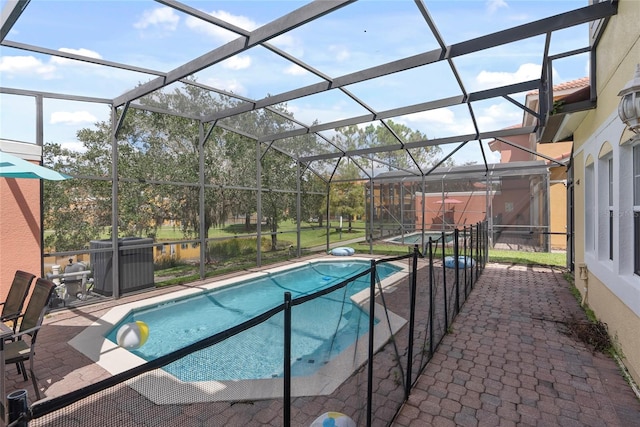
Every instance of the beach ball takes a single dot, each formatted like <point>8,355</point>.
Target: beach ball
<point>333,419</point>
<point>132,335</point>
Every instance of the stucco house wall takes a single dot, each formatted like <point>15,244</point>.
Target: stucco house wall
<point>609,286</point>
<point>560,151</point>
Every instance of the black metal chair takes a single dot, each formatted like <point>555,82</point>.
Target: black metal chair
<point>12,306</point>
<point>20,350</point>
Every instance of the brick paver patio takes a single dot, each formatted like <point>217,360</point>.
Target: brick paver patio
<point>509,360</point>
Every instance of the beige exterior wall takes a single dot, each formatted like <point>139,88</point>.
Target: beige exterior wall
<point>557,192</point>
<point>610,287</point>
<point>558,208</point>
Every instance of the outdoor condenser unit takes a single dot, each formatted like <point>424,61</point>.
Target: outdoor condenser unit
<point>135,268</point>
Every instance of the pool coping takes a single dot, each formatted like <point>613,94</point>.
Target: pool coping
<point>163,388</point>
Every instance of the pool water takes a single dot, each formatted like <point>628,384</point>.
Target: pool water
<point>322,328</point>
<point>411,239</point>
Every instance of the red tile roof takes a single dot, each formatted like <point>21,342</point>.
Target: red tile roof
<point>572,84</point>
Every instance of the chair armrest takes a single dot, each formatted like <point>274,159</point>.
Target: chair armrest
<point>7,317</point>
<point>26,332</point>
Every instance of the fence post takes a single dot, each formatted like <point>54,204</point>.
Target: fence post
<point>486,238</point>
<point>470,256</point>
<point>466,283</point>
<point>431,310</point>
<point>18,406</point>
<point>444,281</point>
<point>287,360</point>
<point>412,320</point>
<point>372,315</point>
<point>456,236</point>
<point>477,248</point>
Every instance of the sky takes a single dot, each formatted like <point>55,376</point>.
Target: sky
<point>364,34</point>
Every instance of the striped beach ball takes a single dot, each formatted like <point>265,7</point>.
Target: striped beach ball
<point>333,419</point>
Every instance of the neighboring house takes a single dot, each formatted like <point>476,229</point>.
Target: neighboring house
<point>574,92</point>
<point>606,183</point>
<point>558,220</point>
<point>507,195</point>
<point>20,221</point>
<point>551,195</point>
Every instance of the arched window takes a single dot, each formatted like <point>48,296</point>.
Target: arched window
<point>606,202</point>
<point>590,205</point>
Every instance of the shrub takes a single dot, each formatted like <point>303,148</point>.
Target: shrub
<point>165,261</point>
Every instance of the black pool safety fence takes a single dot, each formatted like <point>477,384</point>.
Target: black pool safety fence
<point>360,363</point>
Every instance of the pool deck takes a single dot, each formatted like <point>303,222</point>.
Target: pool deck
<point>507,361</point>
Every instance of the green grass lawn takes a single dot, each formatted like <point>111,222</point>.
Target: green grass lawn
<point>556,259</point>
<point>511,257</point>
<point>312,235</point>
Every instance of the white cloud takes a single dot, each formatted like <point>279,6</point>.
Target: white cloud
<point>72,118</point>
<point>21,65</point>
<point>237,62</point>
<point>500,78</point>
<point>494,5</point>
<point>81,51</point>
<point>341,53</point>
<point>439,116</point>
<point>218,33</point>
<point>163,17</point>
<point>295,70</point>
<point>498,116</point>
<point>230,85</point>
<point>291,44</point>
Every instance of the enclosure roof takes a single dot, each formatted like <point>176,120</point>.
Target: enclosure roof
<point>455,71</point>
<point>478,172</point>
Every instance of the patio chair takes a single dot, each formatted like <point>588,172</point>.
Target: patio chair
<point>12,306</point>
<point>19,350</point>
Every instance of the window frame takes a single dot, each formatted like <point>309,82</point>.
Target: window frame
<point>590,207</point>
<point>610,205</point>
<point>636,207</point>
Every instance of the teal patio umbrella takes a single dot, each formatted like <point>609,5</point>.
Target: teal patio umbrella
<point>15,167</point>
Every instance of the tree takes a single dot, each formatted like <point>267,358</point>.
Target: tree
<point>158,171</point>
<point>76,210</point>
<point>313,197</point>
<point>347,197</point>
<point>353,137</point>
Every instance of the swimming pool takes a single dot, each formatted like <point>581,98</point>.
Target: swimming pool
<point>412,239</point>
<point>348,351</point>
<point>323,326</point>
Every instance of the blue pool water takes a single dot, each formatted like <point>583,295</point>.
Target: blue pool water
<point>322,328</point>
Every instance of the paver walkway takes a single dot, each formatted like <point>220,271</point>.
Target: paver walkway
<point>510,360</point>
